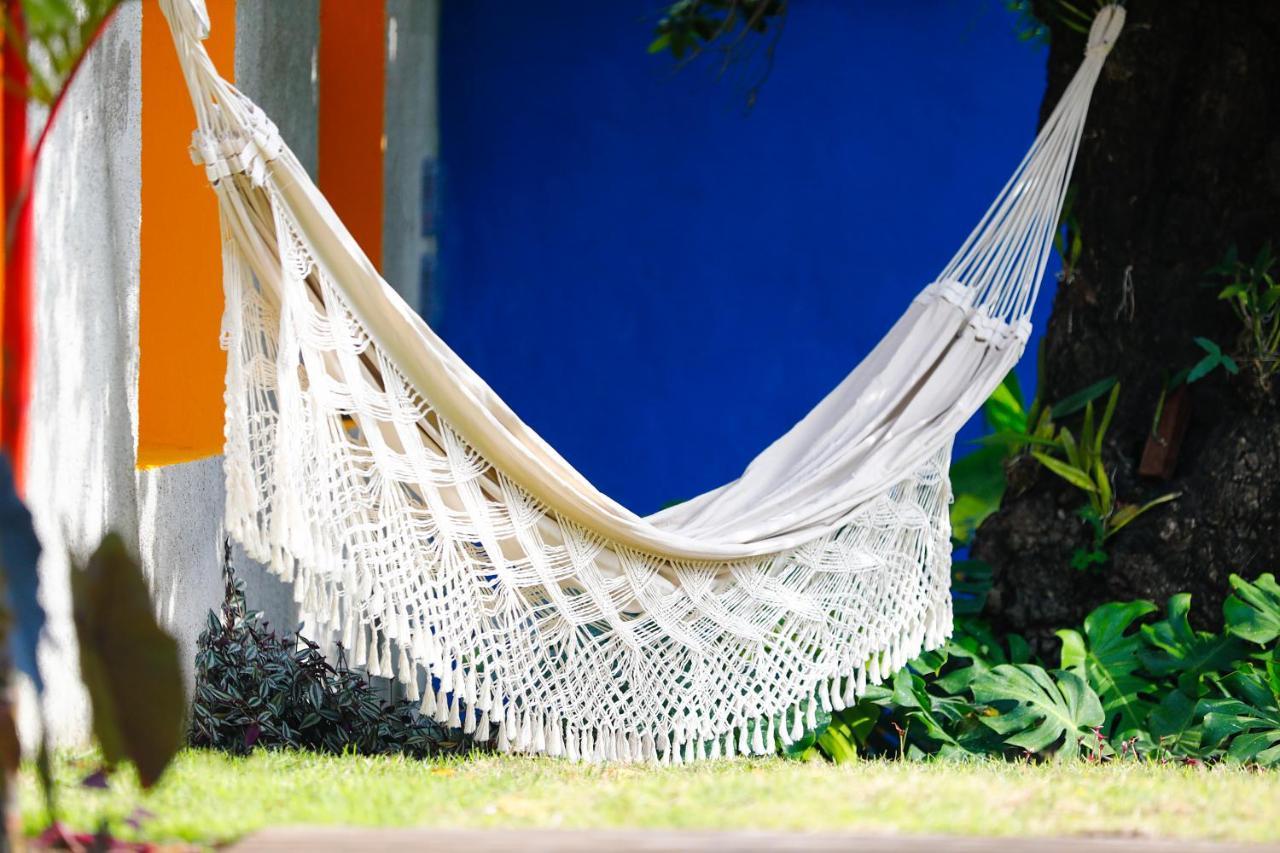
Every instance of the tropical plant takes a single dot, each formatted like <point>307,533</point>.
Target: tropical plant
<point>1080,463</point>
<point>1252,290</point>
<point>1124,686</point>
<point>257,689</point>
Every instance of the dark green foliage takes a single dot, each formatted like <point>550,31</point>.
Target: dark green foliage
<point>257,689</point>
<point>1158,689</point>
<point>688,26</point>
<point>1252,289</point>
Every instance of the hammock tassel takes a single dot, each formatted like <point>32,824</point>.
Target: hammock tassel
<point>442,704</point>
<point>407,672</point>
<point>428,706</point>
<point>360,650</point>
<point>571,742</point>
<point>504,744</point>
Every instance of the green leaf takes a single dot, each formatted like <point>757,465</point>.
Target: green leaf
<point>1202,368</point>
<point>129,664</point>
<point>1071,448</point>
<point>1173,723</point>
<point>1083,558</point>
<point>1179,650</point>
<point>1038,709</point>
<point>1005,409</point>
<point>1248,724</point>
<point>849,730</point>
<point>970,584</point>
<point>660,44</point>
<point>977,481</point>
<point>1252,611</point>
<point>1127,513</point>
<point>1013,441</point>
<point>1074,476</point>
<point>1073,403</point>
<point>797,748</point>
<point>1105,424</point>
<point>1208,346</point>
<point>1106,655</point>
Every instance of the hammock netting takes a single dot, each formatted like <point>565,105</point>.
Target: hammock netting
<point>445,545</point>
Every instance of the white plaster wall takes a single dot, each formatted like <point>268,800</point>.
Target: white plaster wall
<point>80,461</point>
<point>82,478</point>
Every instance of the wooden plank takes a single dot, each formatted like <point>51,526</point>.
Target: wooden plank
<point>1160,455</point>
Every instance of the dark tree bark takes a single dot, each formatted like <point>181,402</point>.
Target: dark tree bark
<point>1180,160</point>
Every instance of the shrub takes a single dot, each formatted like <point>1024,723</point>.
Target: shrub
<point>1159,690</point>
<point>255,688</point>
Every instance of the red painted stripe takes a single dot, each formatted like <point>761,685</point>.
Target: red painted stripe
<point>15,374</point>
<point>352,70</point>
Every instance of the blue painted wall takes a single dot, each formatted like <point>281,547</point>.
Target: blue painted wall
<point>661,281</point>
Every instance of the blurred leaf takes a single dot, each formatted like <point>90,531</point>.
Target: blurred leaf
<point>1252,611</point>
<point>1073,403</point>
<point>1005,408</point>
<point>977,481</point>
<point>19,556</point>
<point>1072,475</point>
<point>970,584</point>
<point>129,664</point>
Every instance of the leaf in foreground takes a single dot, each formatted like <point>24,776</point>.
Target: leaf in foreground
<point>129,664</point>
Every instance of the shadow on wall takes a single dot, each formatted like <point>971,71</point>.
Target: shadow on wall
<point>661,281</point>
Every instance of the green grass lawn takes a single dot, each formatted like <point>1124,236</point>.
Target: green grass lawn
<point>208,797</point>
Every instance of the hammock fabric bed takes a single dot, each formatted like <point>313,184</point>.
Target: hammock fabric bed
<point>447,546</point>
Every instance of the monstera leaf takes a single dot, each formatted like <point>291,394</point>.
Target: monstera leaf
<point>1036,709</point>
<point>1106,656</point>
<point>1178,649</point>
<point>1248,724</point>
<point>1253,611</point>
<point>1173,724</point>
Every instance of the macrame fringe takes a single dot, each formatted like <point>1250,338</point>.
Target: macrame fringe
<point>465,697</point>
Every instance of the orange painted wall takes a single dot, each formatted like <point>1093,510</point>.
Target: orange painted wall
<point>181,370</point>
<point>352,70</point>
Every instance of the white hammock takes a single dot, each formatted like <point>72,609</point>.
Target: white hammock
<point>450,547</point>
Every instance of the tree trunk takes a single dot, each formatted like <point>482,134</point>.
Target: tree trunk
<point>1180,161</point>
